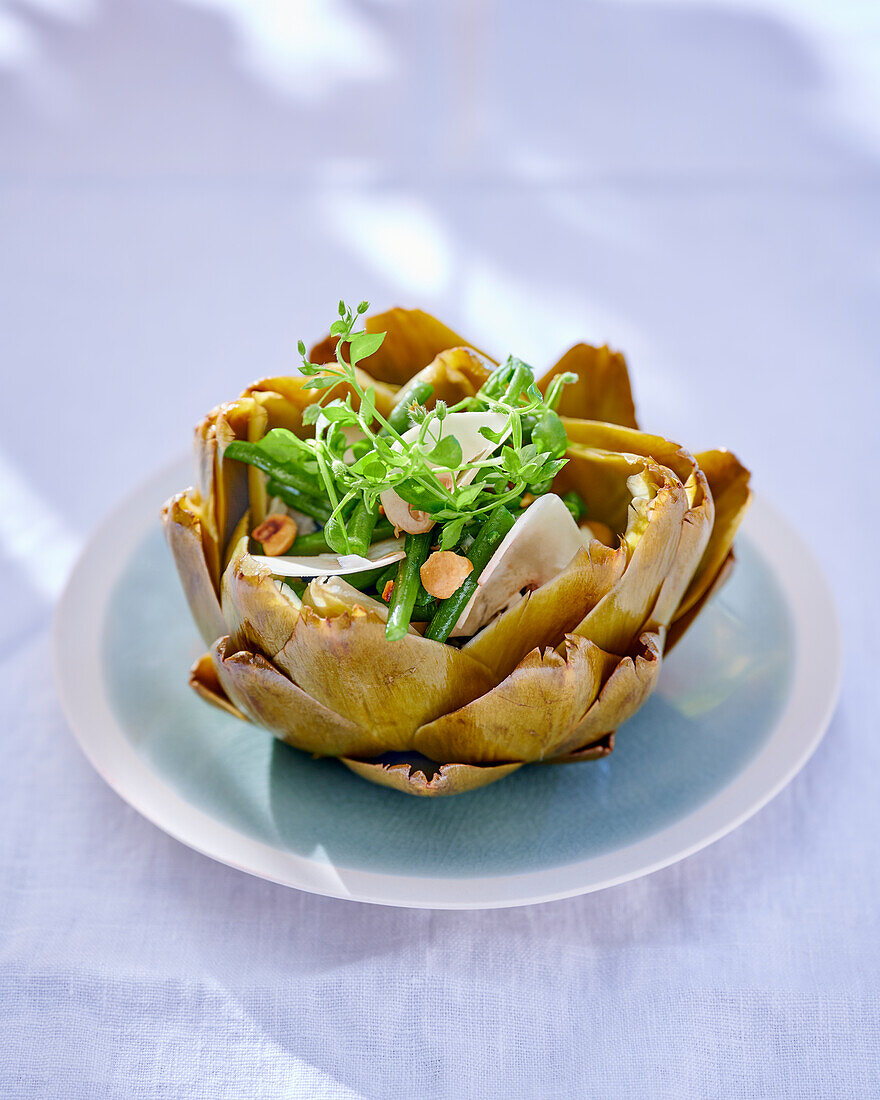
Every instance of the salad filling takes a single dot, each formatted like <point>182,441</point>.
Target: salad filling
<point>442,513</point>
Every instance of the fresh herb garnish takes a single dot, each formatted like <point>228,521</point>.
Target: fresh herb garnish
<point>523,455</point>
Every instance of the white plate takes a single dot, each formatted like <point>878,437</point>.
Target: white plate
<point>741,705</point>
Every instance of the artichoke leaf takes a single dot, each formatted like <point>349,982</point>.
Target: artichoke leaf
<point>695,532</point>
<point>269,699</point>
<point>413,339</point>
<point>701,510</point>
<point>455,374</point>
<point>542,618</point>
<point>602,456</point>
<point>261,614</point>
<point>656,516</point>
<point>626,689</point>
<point>241,531</point>
<point>204,681</point>
<point>232,479</point>
<point>527,715</point>
<point>729,483</point>
<point>597,750</point>
<point>185,532</point>
<point>602,391</point>
<point>600,478</point>
<point>412,778</point>
<point>391,688</point>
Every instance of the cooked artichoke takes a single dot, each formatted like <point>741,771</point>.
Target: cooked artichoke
<point>549,678</point>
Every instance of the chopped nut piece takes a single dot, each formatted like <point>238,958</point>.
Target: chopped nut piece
<point>276,534</point>
<point>387,590</point>
<point>600,531</point>
<point>444,573</point>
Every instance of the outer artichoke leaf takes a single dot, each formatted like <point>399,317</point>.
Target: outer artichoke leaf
<point>602,457</point>
<point>701,511</point>
<point>622,694</point>
<point>182,522</point>
<point>241,419</point>
<point>413,339</point>
<point>270,700</point>
<point>729,482</point>
<point>653,532</point>
<point>206,459</point>
<point>630,441</point>
<point>445,779</point>
<point>204,681</point>
<point>527,715</point>
<point>455,373</point>
<point>391,688</point>
<point>261,614</point>
<point>242,530</point>
<point>595,751</point>
<point>542,618</point>
<point>603,390</point>
<point>695,532</point>
<point>600,478</point>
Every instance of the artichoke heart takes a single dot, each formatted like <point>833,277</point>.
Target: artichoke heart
<point>387,452</point>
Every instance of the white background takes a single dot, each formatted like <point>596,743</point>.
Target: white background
<point>186,188</point>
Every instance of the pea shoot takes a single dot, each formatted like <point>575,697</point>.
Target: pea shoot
<point>356,454</point>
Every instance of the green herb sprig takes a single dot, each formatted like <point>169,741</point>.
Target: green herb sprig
<point>524,455</point>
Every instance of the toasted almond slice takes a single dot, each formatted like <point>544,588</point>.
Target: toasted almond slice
<point>387,590</point>
<point>276,534</point>
<point>444,573</point>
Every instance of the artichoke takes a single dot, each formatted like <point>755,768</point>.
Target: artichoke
<point>549,678</point>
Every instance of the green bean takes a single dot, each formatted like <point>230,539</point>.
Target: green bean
<point>367,578</point>
<point>301,502</point>
<point>360,526</point>
<point>387,574</point>
<point>315,543</point>
<point>425,605</point>
<point>417,392</point>
<point>254,455</point>
<point>575,504</point>
<point>306,545</point>
<point>485,544</point>
<point>407,585</point>
<point>424,608</point>
<point>384,529</point>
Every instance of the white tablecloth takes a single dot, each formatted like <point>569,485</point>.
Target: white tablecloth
<point>188,186</point>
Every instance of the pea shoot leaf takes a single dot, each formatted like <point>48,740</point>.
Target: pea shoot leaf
<point>363,344</point>
<point>452,533</point>
<point>447,453</point>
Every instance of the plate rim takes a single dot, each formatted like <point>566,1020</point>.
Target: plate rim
<point>77,635</point>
